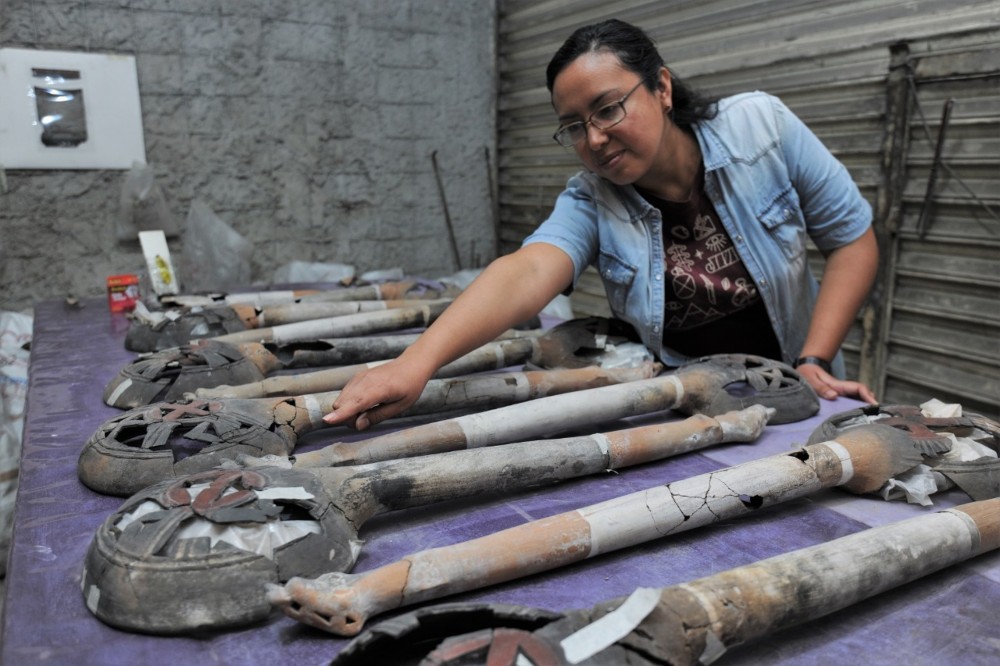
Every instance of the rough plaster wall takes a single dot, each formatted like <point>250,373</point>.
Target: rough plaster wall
<point>307,125</point>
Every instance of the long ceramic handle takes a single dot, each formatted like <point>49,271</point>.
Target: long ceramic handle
<point>350,351</point>
<point>491,356</point>
<point>538,418</point>
<point>331,379</point>
<point>346,326</point>
<point>377,292</point>
<point>289,313</point>
<point>477,392</point>
<point>701,618</point>
<point>344,351</point>
<point>404,483</point>
<point>341,603</point>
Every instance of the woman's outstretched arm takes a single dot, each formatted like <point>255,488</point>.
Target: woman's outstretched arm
<point>512,289</point>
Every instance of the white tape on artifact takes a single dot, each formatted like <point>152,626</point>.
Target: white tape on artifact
<point>258,538</point>
<point>284,493</point>
<point>604,444</point>
<point>618,523</point>
<point>113,398</point>
<point>316,328</point>
<point>606,631</point>
<point>477,429</point>
<point>678,389</point>
<point>261,298</point>
<point>93,598</point>
<point>846,466</point>
<point>313,408</point>
<point>522,387</point>
<point>501,358</point>
<point>714,648</point>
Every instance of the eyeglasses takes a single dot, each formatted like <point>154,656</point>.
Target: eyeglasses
<point>604,118</point>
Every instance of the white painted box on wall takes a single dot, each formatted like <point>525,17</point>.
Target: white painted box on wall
<point>69,110</point>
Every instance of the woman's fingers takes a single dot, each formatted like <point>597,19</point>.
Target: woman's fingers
<point>830,388</point>
<point>866,394</point>
<point>373,396</point>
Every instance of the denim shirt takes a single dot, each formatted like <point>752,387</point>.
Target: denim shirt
<point>772,183</point>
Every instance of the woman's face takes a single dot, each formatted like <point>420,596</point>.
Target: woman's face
<point>628,152</point>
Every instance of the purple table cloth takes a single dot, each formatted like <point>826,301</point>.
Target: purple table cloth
<point>945,618</point>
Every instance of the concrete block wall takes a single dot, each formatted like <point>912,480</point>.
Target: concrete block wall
<point>307,125</point>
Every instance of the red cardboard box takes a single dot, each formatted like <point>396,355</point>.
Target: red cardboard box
<point>123,292</point>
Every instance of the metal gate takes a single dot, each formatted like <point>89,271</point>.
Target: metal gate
<point>937,331</point>
<point>837,66</point>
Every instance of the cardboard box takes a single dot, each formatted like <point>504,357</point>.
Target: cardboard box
<point>123,292</point>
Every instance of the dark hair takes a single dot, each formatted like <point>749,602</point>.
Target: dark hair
<point>637,53</point>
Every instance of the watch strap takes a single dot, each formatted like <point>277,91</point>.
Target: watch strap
<point>813,360</point>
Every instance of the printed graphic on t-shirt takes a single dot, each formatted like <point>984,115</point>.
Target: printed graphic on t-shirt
<point>706,279</point>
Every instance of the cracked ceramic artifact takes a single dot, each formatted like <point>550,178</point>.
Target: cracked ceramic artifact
<point>712,385</point>
<point>244,367</point>
<point>860,460</point>
<point>195,552</point>
<point>419,315</point>
<point>164,440</point>
<point>976,471</point>
<point>410,289</point>
<point>179,327</point>
<point>148,444</point>
<point>145,445</point>
<point>577,343</point>
<point>695,622</point>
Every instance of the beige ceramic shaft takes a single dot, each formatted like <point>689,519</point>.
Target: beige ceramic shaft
<point>694,623</point>
<point>491,356</point>
<point>363,323</point>
<point>860,459</point>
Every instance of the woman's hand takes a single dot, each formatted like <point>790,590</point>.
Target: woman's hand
<point>511,289</point>
<point>377,394</point>
<point>829,387</point>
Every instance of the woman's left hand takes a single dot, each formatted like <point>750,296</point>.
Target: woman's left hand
<point>830,388</point>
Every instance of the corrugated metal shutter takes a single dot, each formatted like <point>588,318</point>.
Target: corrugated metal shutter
<point>828,61</point>
<point>941,335</point>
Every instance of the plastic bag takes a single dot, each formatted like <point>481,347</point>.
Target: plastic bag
<point>305,271</point>
<point>215,257</point>
<point>15,334</point>
<point>143,206</point>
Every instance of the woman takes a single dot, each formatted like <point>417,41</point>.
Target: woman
<point>696,214</point>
